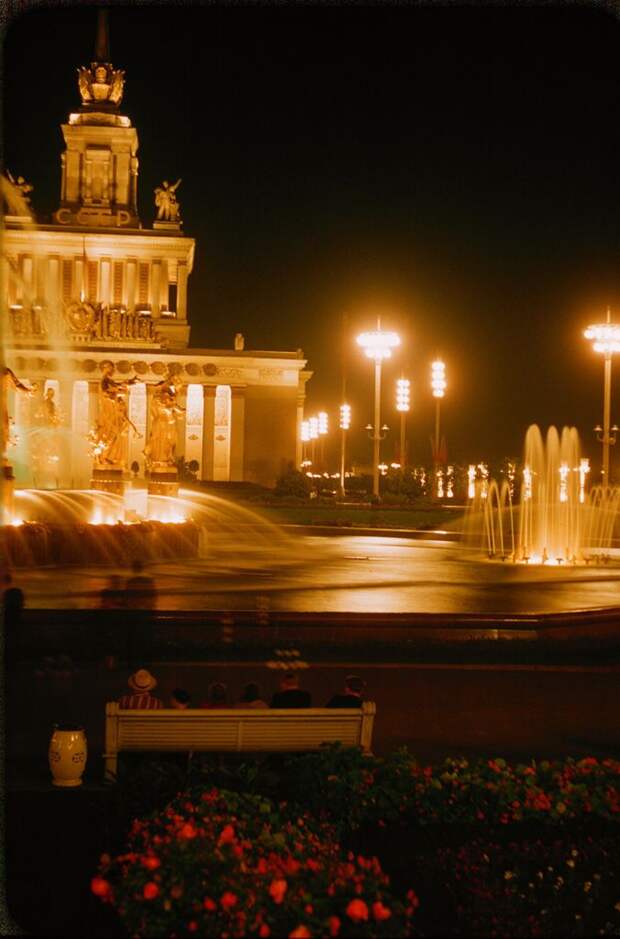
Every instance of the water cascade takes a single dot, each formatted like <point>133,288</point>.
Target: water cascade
<point>554,520</point>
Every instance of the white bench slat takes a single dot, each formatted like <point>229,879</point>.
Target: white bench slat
<point>234,729</point>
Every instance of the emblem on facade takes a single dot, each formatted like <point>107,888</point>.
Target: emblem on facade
<point>100,83</point>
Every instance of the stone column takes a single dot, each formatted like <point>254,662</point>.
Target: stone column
<point>163,287</point>
<point>80,286</point>
<point>27,278</point>
<point>105,272</point>
<point>182,291</point>
<point>301,397</point>
<point>51,287</point>
<point>65,403</point>
<point>181,422</point>
<point>130,284</point>
<point>208,427</point>
<point>155,288</point>
<point>237,432</point>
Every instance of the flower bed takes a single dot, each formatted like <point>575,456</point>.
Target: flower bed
<point>564,888</point>
<point>226,864</point>
<point>352,790</point>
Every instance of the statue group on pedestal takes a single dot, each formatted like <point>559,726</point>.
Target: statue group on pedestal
<point>166,201</point>
<point>109,437</point>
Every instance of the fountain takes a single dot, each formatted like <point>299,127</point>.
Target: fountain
<point>555,521</point>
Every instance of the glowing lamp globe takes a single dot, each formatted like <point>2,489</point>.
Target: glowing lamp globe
<point>378,344</point>
<point>345,416</point>
<point>605,337</point>
<point>402,394</point>
<point>438,379</point>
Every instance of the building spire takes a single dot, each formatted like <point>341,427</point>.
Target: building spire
<point>102,42</point>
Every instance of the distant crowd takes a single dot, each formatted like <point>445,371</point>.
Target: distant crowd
<point>142,684</point>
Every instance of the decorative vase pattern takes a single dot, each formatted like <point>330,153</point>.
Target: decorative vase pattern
<point>67,756</point>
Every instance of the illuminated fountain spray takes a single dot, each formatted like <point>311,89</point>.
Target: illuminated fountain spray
<point>555,521</point>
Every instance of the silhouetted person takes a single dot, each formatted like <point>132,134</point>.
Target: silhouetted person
<point>140,698</point>
<point>12,607</point>
<point>12,603</point>
<point>180,699</point>
<point>216,696</point>
<point>351,697</point>
<point>140,588</point>
<point>113,596</point>
<point>251,698</point>
<point>290,694</point>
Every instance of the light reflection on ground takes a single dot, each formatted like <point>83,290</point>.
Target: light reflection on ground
<point>350,574</point>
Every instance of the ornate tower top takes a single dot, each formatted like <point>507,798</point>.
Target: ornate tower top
<point>100,165</point>
<point>100,84</point>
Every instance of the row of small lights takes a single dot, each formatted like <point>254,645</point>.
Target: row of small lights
<point>318,425</point>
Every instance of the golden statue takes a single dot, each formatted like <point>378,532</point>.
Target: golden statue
<point>161,448</point>
<point>166,201</point>
<point>48,412</point>
<point>8,379</point>
<point>108,438</point>
<point>100,83</point>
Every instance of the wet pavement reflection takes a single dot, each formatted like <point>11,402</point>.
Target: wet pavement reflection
<point>348,574</point>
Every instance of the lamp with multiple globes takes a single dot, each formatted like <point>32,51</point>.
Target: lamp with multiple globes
<point>605,338</point>
<point>438,387</point>
<point>345,423</point>
<point>402,405</point>
<point>378,346</point>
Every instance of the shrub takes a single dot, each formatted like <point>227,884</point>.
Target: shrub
<point>227,864</point>
<point>351,790</point>
<point>564,888</point>
<point>294,484</point>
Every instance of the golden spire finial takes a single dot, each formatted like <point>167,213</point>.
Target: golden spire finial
<point>102,42</point>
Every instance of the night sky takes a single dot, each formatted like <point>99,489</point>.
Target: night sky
<point>454,170</point>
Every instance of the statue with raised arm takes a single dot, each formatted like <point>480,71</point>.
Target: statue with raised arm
<point>161,447</point>
<point>107,437</point>
<point>8,379</point>
<point>166,201</point>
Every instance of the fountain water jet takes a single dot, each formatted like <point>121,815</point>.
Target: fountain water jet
<point>555,521</point>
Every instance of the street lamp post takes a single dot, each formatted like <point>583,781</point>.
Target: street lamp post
<point>402,405</point>
<point>438,385</point>
<point>345,423</point>
<point>313,430</point>
<point>606,339</point>
<point>378,346</point>
<point>323,428</point>
<point>305,437</point>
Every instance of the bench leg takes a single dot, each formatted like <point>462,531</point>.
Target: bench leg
<point>111,767</point>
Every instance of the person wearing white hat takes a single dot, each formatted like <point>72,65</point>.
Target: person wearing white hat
<point>141,684</point>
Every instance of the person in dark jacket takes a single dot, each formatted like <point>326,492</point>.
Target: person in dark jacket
<point>290,694</point>
<point>352,695</point>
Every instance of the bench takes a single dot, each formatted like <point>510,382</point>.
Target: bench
<point>235,730</point>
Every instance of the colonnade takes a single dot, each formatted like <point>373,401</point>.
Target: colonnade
<point>211,431</point>
<point>133,283</point>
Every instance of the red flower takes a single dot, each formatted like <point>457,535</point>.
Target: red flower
<point>264,931</point>
<point>209,904</point>
<point>151,862</point>
<point>100,887</point>
<point>228,900</point>
<point>292,866</point>
<point>300,933</point>
<point>151,890</point>
<point>357,911</point>
<point>413,900</point>
<point>334,925</point>
<point>187,831</point>
<point>227,835</point>
<point>277,890</point>
<point>380,912</point>
<point>192,926</point>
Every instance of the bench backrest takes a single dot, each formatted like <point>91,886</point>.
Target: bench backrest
<point>237,729</point>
